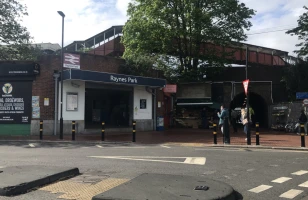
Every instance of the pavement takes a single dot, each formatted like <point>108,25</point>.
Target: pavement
<point>16,180</point>
<point>188,137</point>
<point>171,187</point>
<point>256,174</point>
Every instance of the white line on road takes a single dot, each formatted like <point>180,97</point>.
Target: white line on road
<point>281,180</point>
<point>291,194</point>
<point>1,167</point>
<point>99,146</point>
<point>188,160</point>
<point>32,145</point>
<point>165,146</point>
<point>260,188</point>
<point>299,173</point>
<point>305,184</point>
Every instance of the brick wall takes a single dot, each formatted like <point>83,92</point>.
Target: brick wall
<point>43,86</point>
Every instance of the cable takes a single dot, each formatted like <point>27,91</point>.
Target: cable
<point>270,31</point>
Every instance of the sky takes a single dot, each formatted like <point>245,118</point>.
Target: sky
<point>85,18</point>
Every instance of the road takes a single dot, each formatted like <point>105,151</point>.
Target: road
<point>255,174</point>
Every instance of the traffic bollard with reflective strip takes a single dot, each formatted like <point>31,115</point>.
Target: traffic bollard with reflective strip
<point>257,134</point>
<point>73,130</point>
<point>134,131</point>
<point>41,129</point>
<point>215,133</point>
<point>103,131</point>
<point>302,135</point>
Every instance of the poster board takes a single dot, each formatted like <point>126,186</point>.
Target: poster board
<point>71,101</point>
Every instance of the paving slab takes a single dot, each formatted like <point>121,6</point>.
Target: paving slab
<point>21,179</point>
<point>171,187</point>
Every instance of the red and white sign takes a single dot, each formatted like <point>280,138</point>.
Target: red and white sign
<point>245,84</point>
<point>305,101</point>
<point>71,61</point>
<point>170,88</point>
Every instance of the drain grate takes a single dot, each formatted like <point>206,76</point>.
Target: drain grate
<point>204,188</point>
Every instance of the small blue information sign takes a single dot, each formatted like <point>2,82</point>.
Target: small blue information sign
<point>301,95</point>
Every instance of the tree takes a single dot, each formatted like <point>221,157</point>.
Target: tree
<point>295,78</point>
<point>302,32</point>
<point>171,34</point>
<point>14,38</point>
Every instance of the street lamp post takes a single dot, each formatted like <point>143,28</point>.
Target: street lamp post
<point>61,101</point>
<point>247,103</point>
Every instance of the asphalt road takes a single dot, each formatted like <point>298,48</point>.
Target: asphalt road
<point>250,172</point>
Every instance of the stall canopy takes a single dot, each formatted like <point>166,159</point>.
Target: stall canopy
<point>197,102</point>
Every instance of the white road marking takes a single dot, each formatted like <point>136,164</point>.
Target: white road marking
<point>1,167</point>
<point>188,160</point>
<point>99,146</point>
<point>305,184</point>
<point>299,173</point>
<point>250,170</point>
<point>281,180</point>
<point>219,149</point>
<point>291,194</point>
<point>260,188</point>
<point>32,145</point>
<point>165,146</point>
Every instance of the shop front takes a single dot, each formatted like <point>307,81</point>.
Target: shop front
<point>16,97</point>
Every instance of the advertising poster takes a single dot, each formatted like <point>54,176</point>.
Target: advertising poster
<point>15,102</point>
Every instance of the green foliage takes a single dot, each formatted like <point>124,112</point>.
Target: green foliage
<point>296,79</point>
<point>14,38</point>
<point>302,32</point>
<point>170,34</point>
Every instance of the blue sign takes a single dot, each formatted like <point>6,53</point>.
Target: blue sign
<point>301,95</point>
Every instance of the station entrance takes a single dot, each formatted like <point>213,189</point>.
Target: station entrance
<point>109,104</point>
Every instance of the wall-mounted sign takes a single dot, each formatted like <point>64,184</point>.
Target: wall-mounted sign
<point>35,101</point>
<point>170,88</point>
<point>71,61</point>
<point>36,113</point>
<point>104,77</point>
<point>15,102</point>
<point>12,69</point>
<point>143,103</point>
<point>301,95</point>
<point>46,101</point>
<point>71,101</point>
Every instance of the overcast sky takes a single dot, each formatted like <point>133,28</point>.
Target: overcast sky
<point>85,18</point>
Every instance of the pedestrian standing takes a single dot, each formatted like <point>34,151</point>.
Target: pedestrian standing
<point>223,115</point>
<point>244,120</point>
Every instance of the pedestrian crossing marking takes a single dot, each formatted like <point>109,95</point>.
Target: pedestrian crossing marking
<point>291,194</point>
<point>260,188</point>
<point>281,180</point>
<point>299,173</point>
<point>305,184</point>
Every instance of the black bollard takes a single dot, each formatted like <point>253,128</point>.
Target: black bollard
<point>103,131</point>
<point>134,131</point>
<point>73,130</point>
<point>41,129</point>
<point>215,133</point>
<point>226,131</point>
<point>257,134</point>
<point>302,131</point>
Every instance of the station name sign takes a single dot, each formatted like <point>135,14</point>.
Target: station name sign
<point>117,79</point>
<point>12,69</point>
